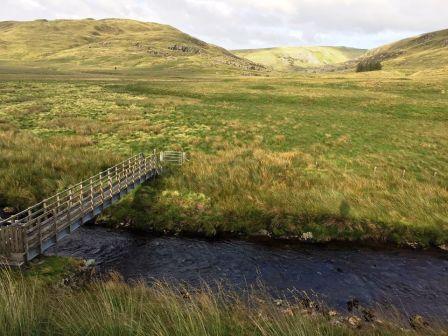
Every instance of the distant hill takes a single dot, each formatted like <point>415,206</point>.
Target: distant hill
<point>111,44</point>
<point>299,58</point>
<point>426,51</point>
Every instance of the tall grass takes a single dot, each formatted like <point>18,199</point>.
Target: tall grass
<point>28,307</point>
<point>22,305</point>
<point>32,168</point>
<point>348,157</point>
<point>250,189</point>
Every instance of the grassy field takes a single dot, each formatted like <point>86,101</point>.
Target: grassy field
<point>343,156</point>
<point>38,303</point>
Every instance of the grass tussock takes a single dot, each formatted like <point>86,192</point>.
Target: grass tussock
<point>29,307</point>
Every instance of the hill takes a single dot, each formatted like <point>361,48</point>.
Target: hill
<point>426,51</point>
<point>298,58</point>
<point>111,44</point>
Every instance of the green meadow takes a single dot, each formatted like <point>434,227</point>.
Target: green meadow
<point>341,156</point>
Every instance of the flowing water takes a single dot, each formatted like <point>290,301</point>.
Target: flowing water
<point>414,282</point>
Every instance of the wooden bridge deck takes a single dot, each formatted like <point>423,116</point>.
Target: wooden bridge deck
<point>31,232</point>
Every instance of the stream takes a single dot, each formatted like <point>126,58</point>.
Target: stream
<point>413,282</point>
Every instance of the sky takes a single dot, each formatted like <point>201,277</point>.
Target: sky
<point>240,24</point>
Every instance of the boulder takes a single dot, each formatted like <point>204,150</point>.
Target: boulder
<point>354,321</point>
<point>332,313</point>
<point>263,233</point>
<point>307,236</point>
<point>417,322</point>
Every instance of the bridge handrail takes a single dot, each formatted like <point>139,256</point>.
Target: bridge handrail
<point>35,229</point>
<point>87,183</point>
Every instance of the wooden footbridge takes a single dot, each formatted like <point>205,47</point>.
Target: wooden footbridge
<point>31,232</point>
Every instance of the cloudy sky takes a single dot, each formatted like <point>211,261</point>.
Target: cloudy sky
<point>258,23</point>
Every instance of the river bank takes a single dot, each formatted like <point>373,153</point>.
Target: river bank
<point>124,217</point>
<point>389,280</point>
<point>54,297</point>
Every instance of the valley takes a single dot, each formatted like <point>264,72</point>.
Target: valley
<point>289,148</point>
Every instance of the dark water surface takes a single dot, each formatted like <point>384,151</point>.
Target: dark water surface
<point>415,282</point>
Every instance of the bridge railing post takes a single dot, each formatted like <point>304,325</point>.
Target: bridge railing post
<point>133,170</point>
<point>25,241</point>
<point>57,209</point>
<point>142,166</point>
<point>101,190</point>
<point>141,163</point>
<point>125,176</point>
<point>69,209</point>
<point>111,183</point>
<point>81,199</point>
<point>122,176</point>
<point>55,228</point>
<point>39,228</point>
<point>91,196</point>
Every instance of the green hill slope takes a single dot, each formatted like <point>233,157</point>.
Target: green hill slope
<point>428,51</point>
<point>297,58</point>
<point>111,44</point>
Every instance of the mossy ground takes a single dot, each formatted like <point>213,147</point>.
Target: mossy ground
<point>346,156</point>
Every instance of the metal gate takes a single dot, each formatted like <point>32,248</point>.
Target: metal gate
<point>174,157</point>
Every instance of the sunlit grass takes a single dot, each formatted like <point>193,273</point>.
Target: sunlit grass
<point>348,156</point>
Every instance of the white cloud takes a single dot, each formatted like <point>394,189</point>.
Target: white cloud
<point>277,5</point>
<point>258,23</point>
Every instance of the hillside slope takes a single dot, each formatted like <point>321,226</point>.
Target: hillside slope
<point>110,44</point>
<point>426,51</point>
<point>297,58</point>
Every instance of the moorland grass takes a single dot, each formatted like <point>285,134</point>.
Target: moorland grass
<point>344,156</point>
<point>30,306</point>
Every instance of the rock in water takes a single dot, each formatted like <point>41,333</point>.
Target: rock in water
<point>332,313</point>
<point>354,321</point>
<point>307,236</point>
<point>90,263</point>
<point>262,233</point>
<point>417,322</point>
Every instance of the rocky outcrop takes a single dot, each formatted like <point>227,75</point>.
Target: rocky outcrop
<point>185,49</point>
